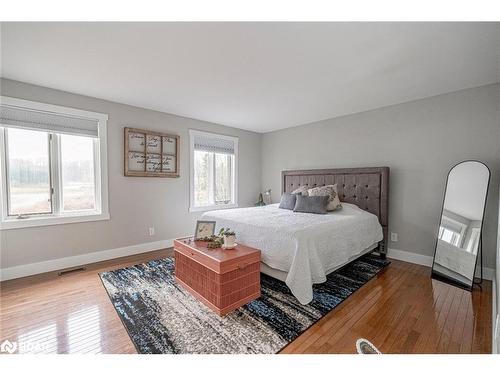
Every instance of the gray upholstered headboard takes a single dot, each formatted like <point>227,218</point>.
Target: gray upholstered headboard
<point>368,188</point>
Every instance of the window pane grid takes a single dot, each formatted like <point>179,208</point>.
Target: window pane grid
<point>213,178</point>
<point>449,236</point>
<point>77,173</point>
<point>222,179</point>
<point>29,184</point>
<point>202,178</point>
<point>49,174</point>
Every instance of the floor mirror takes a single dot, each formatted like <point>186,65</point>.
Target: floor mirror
<point>458,245</point>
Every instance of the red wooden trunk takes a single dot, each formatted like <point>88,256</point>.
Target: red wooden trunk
<point>222,279</point>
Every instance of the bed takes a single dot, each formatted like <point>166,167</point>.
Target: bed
<point>301,248</point>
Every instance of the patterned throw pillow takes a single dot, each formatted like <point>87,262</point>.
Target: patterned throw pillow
<point>331,191</point>
<point>301,190</point>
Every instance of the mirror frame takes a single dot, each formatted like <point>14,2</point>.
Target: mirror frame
<point>439,276</point>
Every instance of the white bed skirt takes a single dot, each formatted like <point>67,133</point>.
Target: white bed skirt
<point>282,275</point>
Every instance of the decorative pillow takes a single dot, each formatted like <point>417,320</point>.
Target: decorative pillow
<point>312,205</point>
<point>331,192</point>
<point>301,190</point>
<point>288,201</point>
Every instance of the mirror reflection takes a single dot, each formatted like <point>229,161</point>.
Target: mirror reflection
<point>459,234</point>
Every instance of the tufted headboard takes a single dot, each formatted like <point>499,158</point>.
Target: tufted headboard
<point>368,188</point>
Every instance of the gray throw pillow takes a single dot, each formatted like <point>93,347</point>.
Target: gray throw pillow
<point>288,201</point>
<point>312,205</point>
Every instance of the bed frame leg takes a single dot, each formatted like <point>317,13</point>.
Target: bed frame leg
<point>382,249</point>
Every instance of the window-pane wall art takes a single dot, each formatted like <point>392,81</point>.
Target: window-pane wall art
<point>151,154</point>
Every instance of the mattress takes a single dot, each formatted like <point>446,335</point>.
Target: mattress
<point>304,246</point>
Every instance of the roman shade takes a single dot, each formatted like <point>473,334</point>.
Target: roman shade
<point>451,226</point>
<point>213,143</point>
<point>27,118</point>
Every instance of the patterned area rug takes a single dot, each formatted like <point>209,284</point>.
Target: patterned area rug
<point>162,317</point>
<point>363,346</point>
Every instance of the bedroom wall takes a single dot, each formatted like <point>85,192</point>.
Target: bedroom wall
<point>135,203</point>
<point>418,140</point>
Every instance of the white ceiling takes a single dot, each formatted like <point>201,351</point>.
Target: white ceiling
<point>255,76</point>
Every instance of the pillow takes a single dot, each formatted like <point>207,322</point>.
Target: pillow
<point>312,205</point>
<point>300,190</point>
<point>331,192</point>
<point>288,201</point>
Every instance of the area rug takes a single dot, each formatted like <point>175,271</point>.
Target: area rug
<point>162,317</point>
<point>363,346</point>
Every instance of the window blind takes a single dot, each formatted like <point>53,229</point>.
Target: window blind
<point>212,143</point>
<point>26,118</point>
<point>446,224</point>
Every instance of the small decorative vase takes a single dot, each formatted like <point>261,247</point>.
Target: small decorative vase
<point>229,241</point>
<point>261,201</point>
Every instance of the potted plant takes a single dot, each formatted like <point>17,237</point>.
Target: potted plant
<point>229,238</point>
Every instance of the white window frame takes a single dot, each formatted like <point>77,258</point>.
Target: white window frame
<point>100,171</point>
<point>473,244</point>
<point>234,172</point>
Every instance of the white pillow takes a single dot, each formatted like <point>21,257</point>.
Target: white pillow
<point>301,190</point>
<point>331,191</point>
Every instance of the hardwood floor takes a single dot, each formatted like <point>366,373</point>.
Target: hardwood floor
<point>401,310</point>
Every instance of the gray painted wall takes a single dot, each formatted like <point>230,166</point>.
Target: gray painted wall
<point>420,141</point>
<point>136,203</point>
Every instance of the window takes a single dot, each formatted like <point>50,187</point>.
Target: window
<point>448,235</point>
<point>53,164</point>
<point>213,182</point>
<point>77,173</point>
<point>28,173</point>
<point>473,243</point>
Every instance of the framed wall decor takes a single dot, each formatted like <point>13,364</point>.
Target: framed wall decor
<point>151,154</point>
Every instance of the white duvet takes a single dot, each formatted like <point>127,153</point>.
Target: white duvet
<point>304,245</point>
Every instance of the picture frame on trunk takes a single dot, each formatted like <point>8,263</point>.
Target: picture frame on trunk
<point>204,229</point>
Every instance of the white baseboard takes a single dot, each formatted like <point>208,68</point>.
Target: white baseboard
<point>426,260</point>
<point>406,256</point>
<point>98,256</point>
<point>78,260</point>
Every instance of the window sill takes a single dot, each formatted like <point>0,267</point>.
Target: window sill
<point>213,208</point>
<point>51,220</point>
